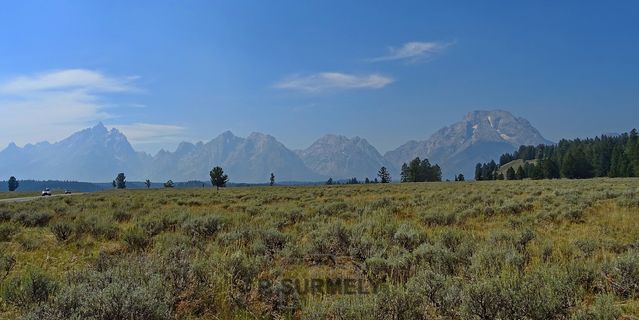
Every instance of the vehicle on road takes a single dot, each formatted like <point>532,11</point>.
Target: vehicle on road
<point>46,192</point>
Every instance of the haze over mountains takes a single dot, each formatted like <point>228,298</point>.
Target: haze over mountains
<point>98,154</point>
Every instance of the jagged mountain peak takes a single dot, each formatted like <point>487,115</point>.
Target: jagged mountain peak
<point>338,156</point>
<point>480,136</point>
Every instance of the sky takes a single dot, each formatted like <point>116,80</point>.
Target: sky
<point>388,71</point>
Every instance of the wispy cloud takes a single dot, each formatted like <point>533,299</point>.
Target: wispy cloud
<point>51,105</point>
<point>414,51</point>
<point>148,133</point>
<point>70,79</point>
<point>325,81</point>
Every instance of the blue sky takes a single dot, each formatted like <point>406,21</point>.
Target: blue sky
<point>390,71</point>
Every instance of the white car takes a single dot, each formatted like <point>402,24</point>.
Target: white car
<point>46,192</point>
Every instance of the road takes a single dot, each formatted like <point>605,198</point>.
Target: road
<point>25,199</point>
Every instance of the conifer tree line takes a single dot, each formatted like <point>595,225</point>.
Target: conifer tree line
<point>420,171</point>
<point>603,156</point>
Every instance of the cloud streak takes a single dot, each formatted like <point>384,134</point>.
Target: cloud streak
<point>70,79</point>
<point>414,51</point>
<point>330,81</point>
<point>51,105</point>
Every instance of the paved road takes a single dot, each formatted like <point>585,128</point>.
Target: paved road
<point>24,199</point>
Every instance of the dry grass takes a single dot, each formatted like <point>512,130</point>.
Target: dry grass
<point>572,245</point>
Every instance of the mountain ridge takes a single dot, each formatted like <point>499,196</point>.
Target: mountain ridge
<point>98,154</point>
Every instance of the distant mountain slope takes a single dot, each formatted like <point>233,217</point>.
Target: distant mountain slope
<point>94,154</point>
<point>250,159</point>
<point>340,157</point>
<point>479,137</point>
<point>98,154</point>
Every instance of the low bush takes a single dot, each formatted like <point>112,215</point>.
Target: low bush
<point>32,288</point>
<point>62,231</point>
<point>133,290</point>
<point>408,236</point>
<point>202,227</point>
<point>7,231</point>
<point>439,218</point>
<point>136,239</point>
<point>623,275</point>
<point>603,308</point>
<point>7,263</point>
<point>121,216</point>
<point>32,219</point>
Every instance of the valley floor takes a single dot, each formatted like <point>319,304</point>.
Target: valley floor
<point>552,249</point>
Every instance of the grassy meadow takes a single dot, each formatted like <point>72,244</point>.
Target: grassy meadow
<point>555,249</point>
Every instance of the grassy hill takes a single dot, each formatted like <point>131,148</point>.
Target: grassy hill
<point>551,249</point>
<point>515,164</point>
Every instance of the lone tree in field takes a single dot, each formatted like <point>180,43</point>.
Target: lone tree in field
<point>120,181</point>
<point>384,176</point>
<point>272,179</point>
<point>218,178</point>
<point>329,182</point>
<point>13,184</point>
<point>147,183</point>
<point>461,177</point>
<point>168,184</point>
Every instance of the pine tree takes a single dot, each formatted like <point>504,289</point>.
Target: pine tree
<point>550,169</point>
<point>329,181</point>
<point>520,174</point>
<point>404,173</point>
<point>510,174</point>
<point>384,175</point>
<point>461,177</point>
<point>120,181</point>
<point>272,180</point>
<point>13,183</point>
<point>478,168</point>
<point>575,165</point>
<point>633,153</point>
<point>218,178</point>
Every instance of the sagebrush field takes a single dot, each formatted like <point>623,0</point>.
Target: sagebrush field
<point>554,249</point>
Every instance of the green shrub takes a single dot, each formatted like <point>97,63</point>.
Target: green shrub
<point>602,309</point>
<point>439,218</point>
<point>274,240</point>
<point>7,231</point>
<point>6,265</point>
<point>542,294</point>
<point>33,219</point>
<point>280,299</point>
<point>152,227</point>
<point>136,239</point>
<point>133,290</point>
<point>5,215</point>
<point>624,275</point>
<point>121,216</point>
<point>99,227</point>
<point>408,236</point>
<point>34,287</point>
<point>435,292</point>
<point>395,302</point>
<point>202,227</point>
<point>62,231</point>
<point>241,270</point>
<point>342,307</point>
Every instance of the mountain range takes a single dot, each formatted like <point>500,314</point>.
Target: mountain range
<point>98,154</point>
